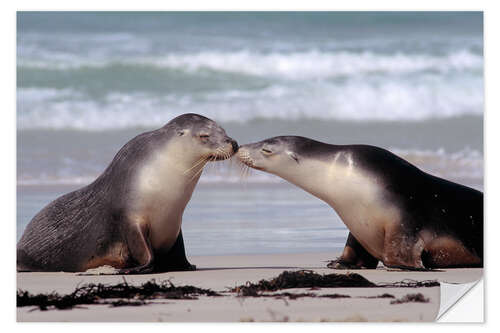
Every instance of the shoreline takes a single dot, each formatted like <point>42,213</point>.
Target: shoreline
<point>220,273</point>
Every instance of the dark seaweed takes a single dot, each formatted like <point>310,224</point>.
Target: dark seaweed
<point>381,296</point>
<point>418,298</point>
<point>293,296</point>
<point>123,294</point>
<point>96,293</point>
<point>126,302</point>
<point>314,281</point>
<point>304,279</point>
<point>409,283</point>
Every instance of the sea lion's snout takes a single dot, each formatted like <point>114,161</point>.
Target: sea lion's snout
<point>268,154</point>
<point>234,144</point>
<point>245,156</point>
<point>242,153</point>
<point>224,149</point>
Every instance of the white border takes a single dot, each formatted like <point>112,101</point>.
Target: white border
<point>280,5</point>
<point>462,311</point>
<point>7,21</point>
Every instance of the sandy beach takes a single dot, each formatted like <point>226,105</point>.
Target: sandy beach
<point>220,273</point>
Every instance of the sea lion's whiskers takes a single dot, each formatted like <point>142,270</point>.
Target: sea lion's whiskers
<point>249,171</point>
<point>220,155</point>
<point>245,171</point>
<point>230,165</point>
<point>209,159</point>
<point>217,166</point>
<point>201,160</point>
<point>241,174</point>
<point>227,155</point>
<point>196,174</point>
<point>241,166</point>
<point>224,154</point>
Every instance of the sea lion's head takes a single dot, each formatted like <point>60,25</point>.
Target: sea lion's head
<point>203,136</point>
<point>273,155</point>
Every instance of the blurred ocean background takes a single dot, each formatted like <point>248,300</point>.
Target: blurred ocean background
<point>411,82</point>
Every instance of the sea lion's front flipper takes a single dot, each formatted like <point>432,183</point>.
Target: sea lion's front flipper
<point>140,250</point>
<point>175,259</point>
<point>354,256</point>
<point>402,248</point>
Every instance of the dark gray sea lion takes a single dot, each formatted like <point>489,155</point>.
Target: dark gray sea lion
<point>395,212</point>
<point>130,216</point>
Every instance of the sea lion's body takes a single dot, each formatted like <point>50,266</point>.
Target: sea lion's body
<point>130,216</point>
<point>395,212</point>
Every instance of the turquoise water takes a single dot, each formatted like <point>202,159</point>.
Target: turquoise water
<point>89,82</point>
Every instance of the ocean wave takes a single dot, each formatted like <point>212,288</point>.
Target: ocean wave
<point>315,64</point>
<point>378,99</point>
<point>293,65</point>
<point>466,163</point>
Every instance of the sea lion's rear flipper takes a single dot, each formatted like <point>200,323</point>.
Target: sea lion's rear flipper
<point>449,252</point>
<point>175,259</point>
<point>354,256</point>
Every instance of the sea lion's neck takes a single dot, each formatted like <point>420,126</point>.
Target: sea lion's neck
<point>171,169</point>
<point>164,186</point>
<point>353,193</point>
<point>337,181</point>
<point>179,160</point>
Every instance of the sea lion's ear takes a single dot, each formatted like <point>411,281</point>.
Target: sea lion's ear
<point>293,156</point>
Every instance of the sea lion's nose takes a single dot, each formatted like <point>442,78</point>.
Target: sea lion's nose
<point>235,145</point>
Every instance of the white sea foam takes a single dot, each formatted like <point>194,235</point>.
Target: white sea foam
<point>315,64</point>
<point>312,64</point>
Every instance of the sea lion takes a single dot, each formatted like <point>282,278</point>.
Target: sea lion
<point>395,212</point>
<point>130,216</point>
